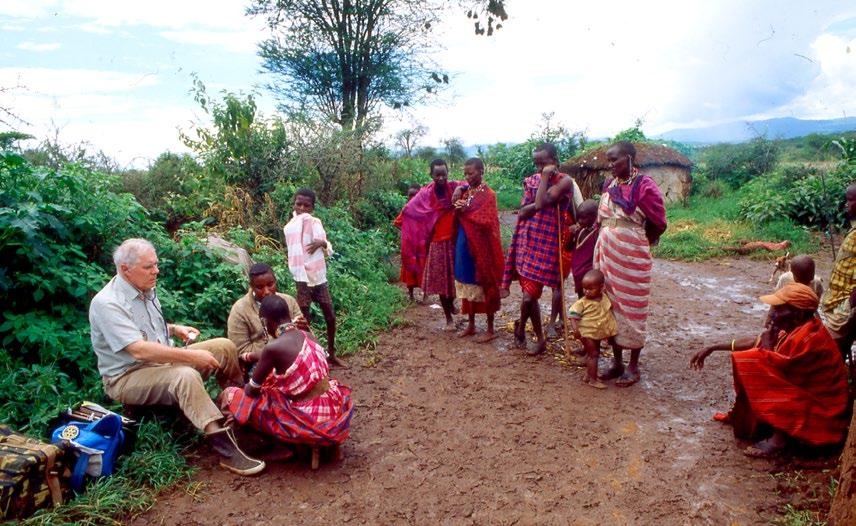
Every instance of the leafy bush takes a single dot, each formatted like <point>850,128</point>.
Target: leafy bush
<point>514,162</point>
<point>174,189</point>
<point>738,163</point>
<point>802,195</point>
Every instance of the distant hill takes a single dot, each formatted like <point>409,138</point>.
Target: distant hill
<point>739,131</point>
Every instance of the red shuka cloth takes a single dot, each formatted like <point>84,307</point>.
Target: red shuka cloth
<point>800,388</point>
<point>409,278</point>
<point>480,222</point>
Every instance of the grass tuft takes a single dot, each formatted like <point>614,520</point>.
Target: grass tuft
<point>709,227</point>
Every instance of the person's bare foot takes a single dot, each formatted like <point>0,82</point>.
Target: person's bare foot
<point>613,372</point>
<point>593,382</point>
<point>550,332</point>
<point>335,361</point>
<point>486,337</point>
<point>540,348</point>
<point>519,335</point>
<point>468,331</point>
<point>449,327</point>
<point>628,378</point>
<point>768,448</point>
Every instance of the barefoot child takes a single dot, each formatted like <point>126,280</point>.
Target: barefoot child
<point>307,246</point>
<point>592,320</point>
<point>407,276</point>
<point>582,242</point>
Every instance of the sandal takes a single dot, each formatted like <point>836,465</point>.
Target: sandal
<point>593,382</point>
<point>725,418</point>
<point>627,379</point>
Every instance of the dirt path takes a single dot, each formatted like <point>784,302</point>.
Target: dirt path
<point>451,432</point>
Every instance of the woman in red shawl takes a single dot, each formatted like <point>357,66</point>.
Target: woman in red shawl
<point>427,238</point>
<point>478,250</point>
<point>790,381</point>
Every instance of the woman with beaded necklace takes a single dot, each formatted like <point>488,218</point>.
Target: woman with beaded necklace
<point>632,218</point>
<point>478,250</point>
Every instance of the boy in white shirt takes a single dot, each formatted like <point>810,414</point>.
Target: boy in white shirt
<point>307,246</point>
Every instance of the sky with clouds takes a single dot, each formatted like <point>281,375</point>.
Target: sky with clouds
<point>118,74</point>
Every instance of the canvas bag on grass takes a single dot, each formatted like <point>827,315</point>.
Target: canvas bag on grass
<point>29,474</point>
<point>96,446</point>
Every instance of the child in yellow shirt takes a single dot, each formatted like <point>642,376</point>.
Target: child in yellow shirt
<point>592,320</point>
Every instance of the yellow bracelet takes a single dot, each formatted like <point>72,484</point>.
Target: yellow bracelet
<point>732,345</point>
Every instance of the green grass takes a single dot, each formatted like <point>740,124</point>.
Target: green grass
<point>708,227</point>
<point>795,517</point>
<point>508,198</point>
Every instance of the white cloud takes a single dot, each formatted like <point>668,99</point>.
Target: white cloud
<point>830,94</point>
<point>156,13</point>
<point>64,82</point>
<point>33,46</point>
<point>26,9</point>
<point>599,66</point>
<point>235,41</point>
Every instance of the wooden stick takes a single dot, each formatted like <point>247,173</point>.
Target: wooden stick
<point>567,342</point>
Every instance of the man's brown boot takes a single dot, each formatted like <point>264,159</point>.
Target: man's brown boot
<point>231,457</point>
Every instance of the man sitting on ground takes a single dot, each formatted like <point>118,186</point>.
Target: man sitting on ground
<point>790,381</point>
<point>244,327</point>
<point>139,364</point>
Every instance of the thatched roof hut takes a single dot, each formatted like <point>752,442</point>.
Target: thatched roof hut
<point>667,166</point>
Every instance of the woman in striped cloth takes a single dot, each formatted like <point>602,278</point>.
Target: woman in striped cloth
<point>632,218</point>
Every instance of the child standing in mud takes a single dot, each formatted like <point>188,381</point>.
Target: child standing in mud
<point>592,320</point>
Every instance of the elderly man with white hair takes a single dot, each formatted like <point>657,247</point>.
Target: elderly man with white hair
<point>139,364</point>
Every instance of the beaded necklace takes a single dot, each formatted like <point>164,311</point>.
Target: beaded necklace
<point>472,193</point>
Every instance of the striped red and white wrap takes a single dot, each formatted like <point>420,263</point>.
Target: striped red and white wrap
<point>623,254</point>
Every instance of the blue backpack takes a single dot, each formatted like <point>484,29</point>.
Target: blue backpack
<point>96,445</point>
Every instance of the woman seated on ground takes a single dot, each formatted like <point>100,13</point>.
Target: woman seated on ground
<point>289,395</point>
<point>789,381</point>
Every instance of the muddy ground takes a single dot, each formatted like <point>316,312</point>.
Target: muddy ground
<point>448,431</point>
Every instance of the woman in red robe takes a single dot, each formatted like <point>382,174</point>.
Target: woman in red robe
<point>478,250</point>
<point>790,381</point>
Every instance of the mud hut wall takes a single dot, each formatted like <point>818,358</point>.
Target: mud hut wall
<point>674,181</point>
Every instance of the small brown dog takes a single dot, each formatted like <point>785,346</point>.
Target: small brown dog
<point>783,264</point>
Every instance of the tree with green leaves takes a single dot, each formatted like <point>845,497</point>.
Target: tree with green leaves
<point>343,59</point>
<point>454,150</point>
<point>407,138</point>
